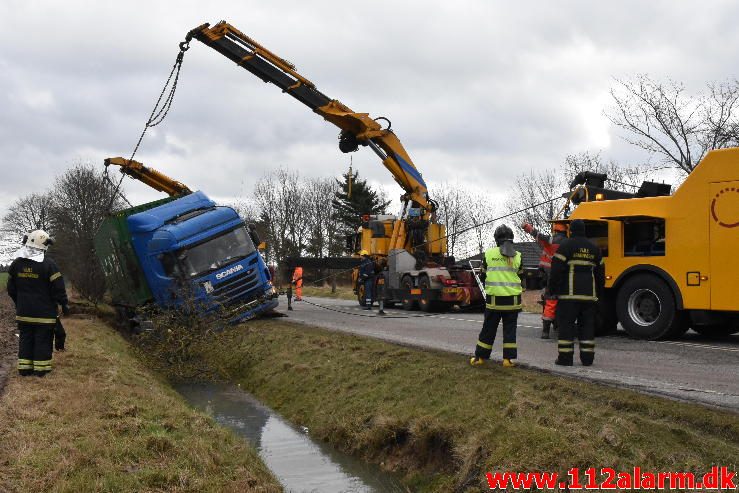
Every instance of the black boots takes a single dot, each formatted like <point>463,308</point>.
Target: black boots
<point>546,325</point>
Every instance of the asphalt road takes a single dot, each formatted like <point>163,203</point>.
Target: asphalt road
<point>694,368</point>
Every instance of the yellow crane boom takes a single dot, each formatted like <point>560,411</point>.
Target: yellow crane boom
<point>155,179</point>
<point>356,128</point>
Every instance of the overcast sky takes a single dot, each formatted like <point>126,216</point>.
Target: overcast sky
<point>477,90</point>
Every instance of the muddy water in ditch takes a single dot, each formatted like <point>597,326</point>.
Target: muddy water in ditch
<point>299,463</point>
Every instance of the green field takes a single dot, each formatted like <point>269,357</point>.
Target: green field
<point>441,423</point>
<point>3,279</point>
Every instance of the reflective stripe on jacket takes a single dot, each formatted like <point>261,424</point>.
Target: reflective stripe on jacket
<point>502,280</point>
<point>36,288</point>
<point>577,271</point>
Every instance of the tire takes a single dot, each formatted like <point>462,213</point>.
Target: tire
<point>646,308</point>
<point>426,305</point>
<point>407,284</point>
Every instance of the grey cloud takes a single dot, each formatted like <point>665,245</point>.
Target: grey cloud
<point>474,88</point>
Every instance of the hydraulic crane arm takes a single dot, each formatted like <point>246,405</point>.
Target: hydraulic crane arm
<point>155,179</point>
<point>356,128</point>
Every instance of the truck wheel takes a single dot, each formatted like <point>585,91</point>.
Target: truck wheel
<point>407,284</point>
<point>646,308</point>
<point>426,305</point>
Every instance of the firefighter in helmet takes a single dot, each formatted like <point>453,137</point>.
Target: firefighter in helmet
<point>577,279</point>
<point>502,271</point>
<point>37,289</point>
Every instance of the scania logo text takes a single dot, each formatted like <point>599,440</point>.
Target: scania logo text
<point>230,271</point>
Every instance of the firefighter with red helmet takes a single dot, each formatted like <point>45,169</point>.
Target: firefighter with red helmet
<point>549,245</point>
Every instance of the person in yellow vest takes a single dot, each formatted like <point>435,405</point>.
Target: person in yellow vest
<point>502,271</point>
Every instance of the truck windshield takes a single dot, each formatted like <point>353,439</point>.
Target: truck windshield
<point>216,253</point>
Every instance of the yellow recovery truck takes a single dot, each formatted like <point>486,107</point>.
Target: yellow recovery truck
<point>672,261</point>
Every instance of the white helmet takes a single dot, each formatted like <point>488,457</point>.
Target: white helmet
<point>38,239</point>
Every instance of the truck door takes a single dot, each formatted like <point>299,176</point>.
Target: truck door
<point>724,239</point>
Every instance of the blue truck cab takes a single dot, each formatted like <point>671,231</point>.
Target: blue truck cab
<point>184,253</point>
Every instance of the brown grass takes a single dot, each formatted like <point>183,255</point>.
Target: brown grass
<point>342,292</point>
<point>101,421</point>
<point>531,300</point>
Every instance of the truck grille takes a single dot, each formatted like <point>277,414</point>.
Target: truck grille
<point>235,287</point>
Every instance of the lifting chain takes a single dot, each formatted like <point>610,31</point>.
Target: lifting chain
<point>157,116</point>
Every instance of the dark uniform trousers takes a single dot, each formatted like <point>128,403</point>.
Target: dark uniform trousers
<point>576,319</point>
<point>490,330</point>
<point>35,348</point>
<point>369,290</point>
<point>60,335</point>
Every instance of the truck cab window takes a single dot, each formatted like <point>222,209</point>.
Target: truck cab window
<point>597,232</point>
<point>644,238</point>
<point>217,252</point>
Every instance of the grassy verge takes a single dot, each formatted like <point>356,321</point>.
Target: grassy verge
<point>444,423</point>
<point>342,292</point>
<point>3,279</point>
<point>102,422</point>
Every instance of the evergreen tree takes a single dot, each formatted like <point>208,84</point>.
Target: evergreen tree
<point>348,211</point>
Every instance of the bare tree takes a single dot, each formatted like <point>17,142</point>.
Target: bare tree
<point>662,119</point>
<point>27,214</point>
<point>452,212</point>
<point>279,197</point>
<point>323,226</point>
<point>721,124</point>
<point>539,196</point>
<point>480,210</point>
<point>79,203</point>
<point>530,200</point>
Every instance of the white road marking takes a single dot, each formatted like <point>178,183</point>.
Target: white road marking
<point>697,344</point>
<point>442,317</point>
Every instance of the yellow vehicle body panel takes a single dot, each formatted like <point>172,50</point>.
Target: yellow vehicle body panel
<point>701,234</point>
<point>724,237</point>
<point>436,239</point>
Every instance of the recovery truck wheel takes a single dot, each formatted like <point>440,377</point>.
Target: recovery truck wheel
<point>406,283</point>
<point>426,305</point>
<point>646,308</point>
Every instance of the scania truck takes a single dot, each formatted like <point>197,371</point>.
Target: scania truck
<point>182,252</point>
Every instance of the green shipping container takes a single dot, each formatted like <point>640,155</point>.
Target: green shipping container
<point>123,275</point>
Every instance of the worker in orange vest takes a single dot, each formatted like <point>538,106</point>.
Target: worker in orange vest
<point>298,283</point>
<point>549,246</point>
